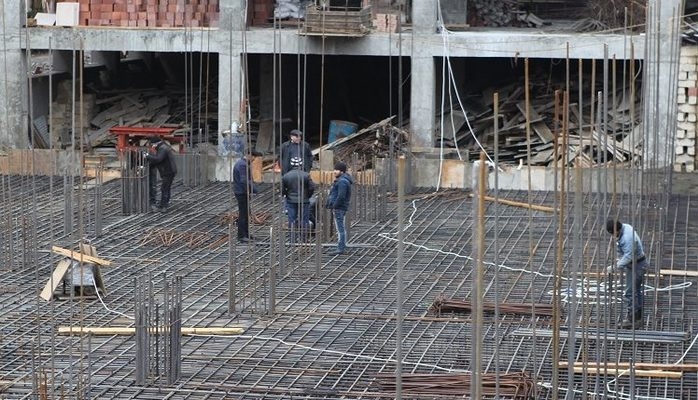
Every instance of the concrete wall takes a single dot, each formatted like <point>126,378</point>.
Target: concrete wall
<point>13,94</point>
<point>422,44</point>
<point>687,115</point>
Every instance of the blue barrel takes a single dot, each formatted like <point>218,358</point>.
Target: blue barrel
<point>340,129</point>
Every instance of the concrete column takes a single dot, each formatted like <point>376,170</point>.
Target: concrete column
<point>662,63</point>
<point>13,79</point>
<point>233,15</point>
<point>230,90</point>
<point>422,102</point>
<point>424,17</point>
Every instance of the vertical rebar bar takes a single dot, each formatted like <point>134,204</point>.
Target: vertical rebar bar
<point>478,240</point>
<point>400,269</point>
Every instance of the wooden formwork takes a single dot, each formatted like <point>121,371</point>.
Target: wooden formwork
<point>322,22</point>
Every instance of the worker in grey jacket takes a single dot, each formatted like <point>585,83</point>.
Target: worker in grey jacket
<point>297,188</point>
<point>632,261</point>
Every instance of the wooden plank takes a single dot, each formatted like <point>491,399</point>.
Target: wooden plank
<point>265,136</point>
<point>678,272</point>
<point>544,156</point>
<point>543,132</point>
<point>55,280</point>
<point>639,365</point>
<point>126,331</point>
<point>625,372</point>
<point>611,145</point>
<point>80,256</point>
<point>518,204</point>
<point>371,128</point>
<point>92,251</point>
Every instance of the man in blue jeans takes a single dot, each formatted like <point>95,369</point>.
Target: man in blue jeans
<point>633,262</point>
<point>297,188</point>
<point>338,201</point>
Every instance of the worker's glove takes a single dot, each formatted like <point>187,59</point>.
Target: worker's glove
<point>145,155</point>
<point>610,269</point>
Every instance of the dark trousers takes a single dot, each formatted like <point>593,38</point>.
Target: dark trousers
<point>243,216</point>
<point>634,290</point>
<point>298,220</point>
<point>165,188</point>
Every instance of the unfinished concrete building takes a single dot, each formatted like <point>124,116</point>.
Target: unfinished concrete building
<point>462,281</point>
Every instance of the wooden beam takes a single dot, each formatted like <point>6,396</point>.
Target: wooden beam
<point>80,256</point>
<point>127,331</point>
<point>518,204</point>
<point>678,272</point>
<point>624,372</point>
<point>55,280</point>
<point>643,366</point>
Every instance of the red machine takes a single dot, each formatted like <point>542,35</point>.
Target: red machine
<point>129,136</point>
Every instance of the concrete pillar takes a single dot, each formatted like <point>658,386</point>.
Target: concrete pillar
<point>233,15</point>
<point>230,91</point>
<point>424,17</point>
<point>422,102</point>
<point>662,63</point>
<point>13,79</point>
<point>233,19</point>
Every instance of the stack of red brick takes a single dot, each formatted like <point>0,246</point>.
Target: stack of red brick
<point>149,13</point>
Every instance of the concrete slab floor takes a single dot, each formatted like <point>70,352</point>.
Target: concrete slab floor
<point>334,326</point>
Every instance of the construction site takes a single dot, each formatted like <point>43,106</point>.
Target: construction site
<point>488,141</point>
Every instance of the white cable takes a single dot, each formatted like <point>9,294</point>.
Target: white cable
<point>109,309</point>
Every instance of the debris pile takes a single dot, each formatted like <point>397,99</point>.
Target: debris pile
<point>381,139</point>
<point>104,110</point>
<point>495,12</point>
<point>555,139</point>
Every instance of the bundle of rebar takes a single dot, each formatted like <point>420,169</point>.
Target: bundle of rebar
<point>518,385</point>
<point>443,305</point>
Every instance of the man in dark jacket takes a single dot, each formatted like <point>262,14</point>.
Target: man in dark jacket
<point>243,188</point>
<point>161,161</point>
<point>295,147</point>
<point>338,201</point>
<point>297,187</point>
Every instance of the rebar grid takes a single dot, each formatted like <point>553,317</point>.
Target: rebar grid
<point>333,334</point>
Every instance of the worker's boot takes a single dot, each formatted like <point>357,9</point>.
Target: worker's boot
<point>632,321</point>
<point>637,319</point>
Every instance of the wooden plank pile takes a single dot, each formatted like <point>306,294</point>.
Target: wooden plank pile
<point>585,144</point>
<point>61,118</point>
<point>107,109</point>
<point>348,22</point>
<point>376,140</point>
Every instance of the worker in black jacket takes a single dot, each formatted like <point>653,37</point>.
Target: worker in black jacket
<point>297,187</point>
<point>243,188</point>
<point>161,159</point>
<point>298,148</point>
